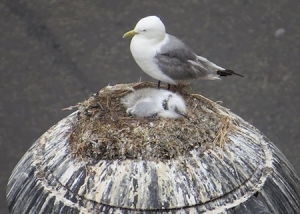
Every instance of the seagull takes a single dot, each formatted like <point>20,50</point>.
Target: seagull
<point>166,58</point>
<point>154,103</point>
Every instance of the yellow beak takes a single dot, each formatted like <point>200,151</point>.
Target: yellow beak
<point>130,33</point>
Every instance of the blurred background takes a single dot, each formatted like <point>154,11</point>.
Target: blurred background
<point>56,53</point>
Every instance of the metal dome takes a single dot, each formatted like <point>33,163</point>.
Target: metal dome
<point>97,160</point>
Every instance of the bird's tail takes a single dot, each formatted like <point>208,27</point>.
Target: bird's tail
<point>227,72</point>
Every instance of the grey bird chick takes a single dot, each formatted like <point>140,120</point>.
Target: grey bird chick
<point>154,103</point>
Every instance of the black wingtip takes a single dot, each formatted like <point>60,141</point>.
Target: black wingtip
<point>228,72</point>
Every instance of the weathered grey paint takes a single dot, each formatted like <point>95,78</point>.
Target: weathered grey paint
<point>48,179</point>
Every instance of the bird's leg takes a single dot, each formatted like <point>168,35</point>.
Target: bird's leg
<point>169,87</point>
<point>158,84</point>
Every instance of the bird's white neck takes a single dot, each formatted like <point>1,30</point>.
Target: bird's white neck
<point>149,41</point>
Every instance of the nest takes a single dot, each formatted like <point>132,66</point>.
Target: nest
<point>105,132</point>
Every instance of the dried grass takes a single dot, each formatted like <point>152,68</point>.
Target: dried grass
<point>104,131</point>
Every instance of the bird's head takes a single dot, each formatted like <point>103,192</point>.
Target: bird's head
<point>150,27</point>
<point>177,105</point>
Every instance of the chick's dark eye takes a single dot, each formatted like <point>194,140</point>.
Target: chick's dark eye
<point>144,30</point>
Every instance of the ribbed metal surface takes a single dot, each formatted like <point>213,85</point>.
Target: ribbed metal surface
<point>48,179</point>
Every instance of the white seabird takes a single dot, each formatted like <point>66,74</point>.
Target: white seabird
<point>154,103</point>
<point>167,59</point>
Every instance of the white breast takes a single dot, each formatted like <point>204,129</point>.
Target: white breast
<point>143,52</point>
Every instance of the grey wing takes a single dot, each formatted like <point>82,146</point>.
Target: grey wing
<point>179,62</point>
<point>145,109</point>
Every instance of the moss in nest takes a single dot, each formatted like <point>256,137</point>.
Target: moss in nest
<point>104,131</point>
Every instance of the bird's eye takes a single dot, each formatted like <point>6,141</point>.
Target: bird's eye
<point>144,30</point>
